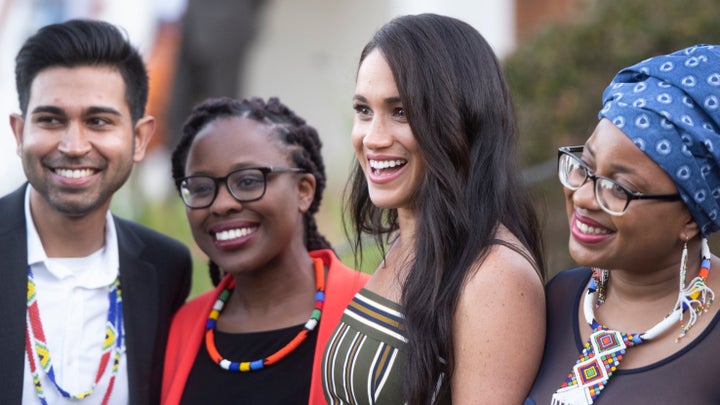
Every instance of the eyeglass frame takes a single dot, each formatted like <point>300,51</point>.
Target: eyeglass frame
<point>217,180</point>
<point>631,195</point>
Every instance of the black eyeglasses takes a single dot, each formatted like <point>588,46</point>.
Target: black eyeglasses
<point>245,185</point>
<point>612,197</point>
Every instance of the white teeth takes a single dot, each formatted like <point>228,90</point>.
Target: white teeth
<point>584,228</point>
<point>234,233</point>
<point>384,164</point>
<point>74,173</point>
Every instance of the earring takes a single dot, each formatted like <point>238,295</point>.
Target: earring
<point>601,277</point>
<point>683,264</point>
<point>696,298</point>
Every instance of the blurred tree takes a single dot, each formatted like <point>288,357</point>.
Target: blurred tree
<point>557,79</point>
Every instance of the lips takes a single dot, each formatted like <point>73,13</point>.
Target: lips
<point>585,230</point>
<point>233,236</point>
<point>379,165</point>
<point>236,233</point>
<point>384,170</point>
<point>74,173</point>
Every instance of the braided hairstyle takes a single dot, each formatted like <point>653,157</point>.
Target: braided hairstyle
<point>289,128</point>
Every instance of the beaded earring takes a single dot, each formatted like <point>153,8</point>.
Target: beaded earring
<point>601,278</point>
<point>696,297</point>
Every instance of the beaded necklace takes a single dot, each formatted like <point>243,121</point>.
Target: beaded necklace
<point>246,366</point>
<point>605,348</point>
<point>35,338</point>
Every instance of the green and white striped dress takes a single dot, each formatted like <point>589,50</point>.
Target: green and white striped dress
<point>364,359</point>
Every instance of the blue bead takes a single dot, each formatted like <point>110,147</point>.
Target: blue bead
<point>256,365</point>
<point>234,366</point>
<point>320,296</point>
<point>210,324</point>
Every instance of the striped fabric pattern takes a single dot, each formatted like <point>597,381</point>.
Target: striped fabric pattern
<point>364,359</point>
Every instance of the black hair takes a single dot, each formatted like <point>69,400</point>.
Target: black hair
<point>289,128</point>
<point>77,43</point>
<point>460,112</point>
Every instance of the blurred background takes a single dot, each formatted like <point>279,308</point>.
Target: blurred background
<point>558,56</point>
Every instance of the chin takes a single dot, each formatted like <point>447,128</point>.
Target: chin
<point>382,200</point>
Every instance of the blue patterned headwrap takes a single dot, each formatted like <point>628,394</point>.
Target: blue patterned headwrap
<point>669,106</point>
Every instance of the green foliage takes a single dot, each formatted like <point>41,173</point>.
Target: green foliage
<point>557,79</point>
<point>169,218</point>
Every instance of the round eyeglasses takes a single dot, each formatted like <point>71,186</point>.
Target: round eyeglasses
<point>245,185</point>
<point>612,197</point>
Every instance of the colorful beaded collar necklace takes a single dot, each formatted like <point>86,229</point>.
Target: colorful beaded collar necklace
<point>285,350</point>
<point>602,353</point>
<point>35,338</point>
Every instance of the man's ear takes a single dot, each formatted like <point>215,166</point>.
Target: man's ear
<point>144,130</point>
<point>17,123</point>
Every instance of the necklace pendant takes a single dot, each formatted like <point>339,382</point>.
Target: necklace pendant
<point>598,361</point>
<point>573,395</point>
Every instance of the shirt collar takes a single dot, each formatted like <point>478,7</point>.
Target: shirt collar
<point>36,253</point>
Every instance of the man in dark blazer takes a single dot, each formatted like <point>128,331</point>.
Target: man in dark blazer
<point>82,90</point>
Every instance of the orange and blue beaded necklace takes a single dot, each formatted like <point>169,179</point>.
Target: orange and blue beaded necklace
<point>245,366</point>
<point>35,338</point>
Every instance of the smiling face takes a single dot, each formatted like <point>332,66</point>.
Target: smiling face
<point>247,236</point>
<point>78,142</point>
<point>650,233</point>
<point>384,143</point>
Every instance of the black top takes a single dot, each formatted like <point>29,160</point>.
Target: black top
<point>689,376</point>
<point>285,382</point>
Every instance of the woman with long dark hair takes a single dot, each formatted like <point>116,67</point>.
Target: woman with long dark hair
<point>456,308</point>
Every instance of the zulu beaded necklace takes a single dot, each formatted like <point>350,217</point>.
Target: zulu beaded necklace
<point>35,338</point>
<point>245,366</point>
<point>605,348</point>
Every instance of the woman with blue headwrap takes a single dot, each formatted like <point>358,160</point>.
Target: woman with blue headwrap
<point>636,323</point>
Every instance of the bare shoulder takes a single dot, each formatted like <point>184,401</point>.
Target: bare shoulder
<point>504,268</point>
<point>502,305</point>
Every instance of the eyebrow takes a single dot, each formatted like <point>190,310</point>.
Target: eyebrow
<point>48,109</point>
<point>102,110</point>
<point>388,100</point>
<point>89,111</point>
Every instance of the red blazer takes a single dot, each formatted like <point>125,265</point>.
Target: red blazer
<point>188,328</point>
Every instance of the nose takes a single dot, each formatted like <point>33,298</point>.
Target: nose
<point>584,196</point>
<point>378,134</point>
<point>74,141</point>
<point>225,202</point>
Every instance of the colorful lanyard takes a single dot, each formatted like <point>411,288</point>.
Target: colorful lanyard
<point>35,337</point>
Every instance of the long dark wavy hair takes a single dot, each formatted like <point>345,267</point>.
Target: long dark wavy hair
<point>460,112</point>
<point>289,128</point>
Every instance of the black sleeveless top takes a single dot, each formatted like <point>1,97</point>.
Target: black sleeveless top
<point>285,382</point>
<point>690,376</point>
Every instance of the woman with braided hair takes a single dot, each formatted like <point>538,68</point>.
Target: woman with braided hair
<point>251,175</point>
